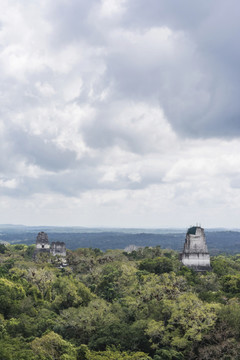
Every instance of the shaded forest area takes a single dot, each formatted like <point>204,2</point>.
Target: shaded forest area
<point>117,306</point>
<point>218,242</point>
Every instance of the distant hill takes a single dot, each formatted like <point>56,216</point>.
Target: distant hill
<point>218,241</point>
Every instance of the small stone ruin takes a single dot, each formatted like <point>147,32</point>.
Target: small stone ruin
<point>195,253</point>
<point>130,248</point>
<point>58,248</point>
<point>43,245</point>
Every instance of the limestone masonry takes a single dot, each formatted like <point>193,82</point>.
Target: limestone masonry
<point>42,243</point>
<point>195,254</point>
<point>55,248</point>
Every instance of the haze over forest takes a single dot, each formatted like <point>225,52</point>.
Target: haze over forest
<point>120,113</point>
<point>219,241</point>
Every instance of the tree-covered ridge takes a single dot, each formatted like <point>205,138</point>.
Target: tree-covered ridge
<point>218,241</point>
<point>113,305</point>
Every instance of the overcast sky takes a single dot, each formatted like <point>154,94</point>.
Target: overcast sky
<point>120,113</point>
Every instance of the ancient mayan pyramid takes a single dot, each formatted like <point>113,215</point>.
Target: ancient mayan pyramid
<point>195,254</point>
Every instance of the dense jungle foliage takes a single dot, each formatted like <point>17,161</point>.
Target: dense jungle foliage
<point>117,306</point>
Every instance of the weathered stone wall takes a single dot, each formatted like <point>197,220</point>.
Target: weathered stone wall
<point>131,248</point>
<point>42,242</point>
<point>197,260</point>
<point>43,245</point>
<point>58,248</point>
<point>195,253</point>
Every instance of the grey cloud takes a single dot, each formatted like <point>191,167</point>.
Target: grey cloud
<point>176,14</point>
<point>71,21</point>
<point>72,184</point>
<point>37,150</point>
<point>18,96</point>
<point>198,88</point>
<point>196,84</point>
<point>101,134</point>
<point>235,182</point>
<point>128,131</point>
<point>68,183</point>
<point>76,181</point>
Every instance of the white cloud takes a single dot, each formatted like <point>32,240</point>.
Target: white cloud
<point>119,113</point>
<point>10,184</point>
<point>45,89</point>
<point>112,8</point>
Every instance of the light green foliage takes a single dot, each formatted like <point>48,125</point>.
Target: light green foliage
<point>34,324</point>
<point>18,272</point>
<point>43,258</point>
<point>43,279</point>
<point>68,292</point>
<point>207,286</point>
<point>144,301</point>
<point>15,349</point>
<point>82,260</point>
<point>110,354</point>
<point>225,265</point>
<point>83,323</point>
<point>231,284</point>
<point>113,281</point>
<point>207,282</point>
<point>10,294</point>
<point>184,320</point>
<point>2,327</point>
<point>118,306</point>
<point>52,346</point>
<point>113,354</point>
<point>108,287</point>
<point>230,315</point>
<point>160,287</point>
<point>168,354</point>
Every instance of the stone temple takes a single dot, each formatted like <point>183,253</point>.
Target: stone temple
<point>55,248</point>
<point>195,253</point>
<point>42,243</point>
<point>58,248</point>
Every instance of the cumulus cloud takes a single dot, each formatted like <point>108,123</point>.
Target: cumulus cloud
<point>119,112</point>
